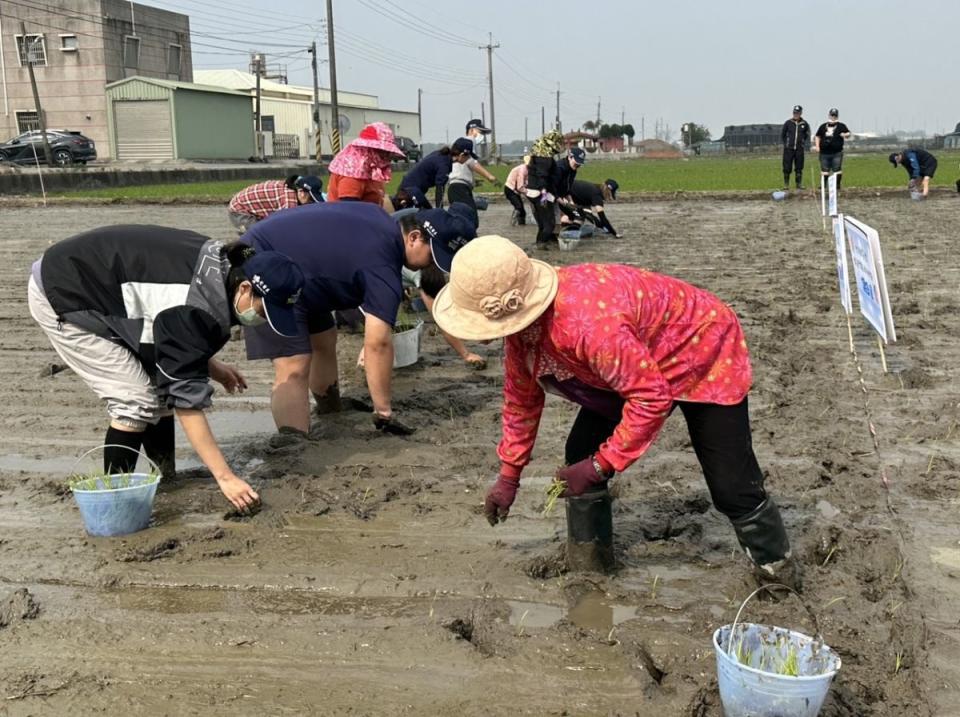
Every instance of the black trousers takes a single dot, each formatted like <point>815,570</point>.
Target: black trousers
<point>461,192</point>
<point>721,439</point>
<point>793,158</point>
<point>516,201</point>
<point>543,212</point>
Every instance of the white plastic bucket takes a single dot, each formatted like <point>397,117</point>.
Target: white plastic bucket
<point>568,243</point>
<point>779,195</point>
<point>750,660</point>
<point>406,346</point>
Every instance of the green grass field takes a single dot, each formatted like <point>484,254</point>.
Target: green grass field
<point>734,173</point>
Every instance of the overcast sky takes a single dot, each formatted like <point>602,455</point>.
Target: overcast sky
<point>886,64</point>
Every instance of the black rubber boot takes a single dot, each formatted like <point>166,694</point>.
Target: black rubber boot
<point>786,182</point>
<point>328,402</point>
<point>121,451</point>
<point>763,538</point>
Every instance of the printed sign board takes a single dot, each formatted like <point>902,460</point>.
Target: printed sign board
<point>871,280</point>
<point>832,195</point>
<point>843,268</point>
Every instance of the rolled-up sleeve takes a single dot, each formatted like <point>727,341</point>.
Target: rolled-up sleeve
<point>185,339</point>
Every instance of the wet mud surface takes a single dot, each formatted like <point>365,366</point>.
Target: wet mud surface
<point>370,583</point>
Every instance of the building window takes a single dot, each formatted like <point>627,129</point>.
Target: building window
<point>27,122</point>
<point>68,43</point>
<point>173,60</point>
<point>267,123</point>
<point>31,48</point>
<point>131,52</point>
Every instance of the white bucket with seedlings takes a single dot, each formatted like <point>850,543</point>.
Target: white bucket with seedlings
<point>763,670</point>
<point>407,334</point>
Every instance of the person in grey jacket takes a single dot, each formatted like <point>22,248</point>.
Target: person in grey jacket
<point>794,136</point>
<point>139,312</point>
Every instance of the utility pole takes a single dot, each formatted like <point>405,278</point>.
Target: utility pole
<point>334,105</point>
<point>316,100</point>
<point>543,120</point>
<point>420,113</point>
<point>257,59</point>
<point>558,107</point>
<point>526,130</point>
<point>643,135</point>
<point>36,95</point>
<point>489,47</point>
<point>623,111</point>
<point>598,114</point>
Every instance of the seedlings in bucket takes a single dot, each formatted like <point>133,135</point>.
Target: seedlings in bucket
<point>556,489</point>
<point>106,481</point>
<point>404,322</point>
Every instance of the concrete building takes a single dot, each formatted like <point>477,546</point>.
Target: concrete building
<point>151,119</point>
<point>77,48</point>
<point>952,140</point>
<point>751,136</point>
<point>287,112</point>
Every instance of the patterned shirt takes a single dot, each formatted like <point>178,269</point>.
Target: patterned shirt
<point>649,338</point>
<point>263,199</point>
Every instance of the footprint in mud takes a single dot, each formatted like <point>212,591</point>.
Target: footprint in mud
<point>199,544</point>
<point>20,606</point>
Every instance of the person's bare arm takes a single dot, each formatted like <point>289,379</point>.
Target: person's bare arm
<point>378,362</point>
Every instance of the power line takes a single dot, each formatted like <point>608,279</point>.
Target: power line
<point>453,73</point>
<point>415,26</point>
<point>437,28</point>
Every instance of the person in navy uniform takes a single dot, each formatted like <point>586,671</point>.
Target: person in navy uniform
<point>795,135</point>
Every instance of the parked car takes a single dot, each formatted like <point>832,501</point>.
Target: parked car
<point>66,147</point>
<point>409,148</point>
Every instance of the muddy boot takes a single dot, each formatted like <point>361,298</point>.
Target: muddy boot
<point>764,539</point>
<point>328,402</point>
<point>287,436</point>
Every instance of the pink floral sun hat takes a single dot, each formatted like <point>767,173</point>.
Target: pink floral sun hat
<point>378,136</point>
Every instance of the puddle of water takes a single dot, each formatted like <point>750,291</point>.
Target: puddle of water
<point>592,612</point>
<point>950,557</point>
<point>54,467</point>
<point>230,425</point>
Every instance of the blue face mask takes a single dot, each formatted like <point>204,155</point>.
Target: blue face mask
<point>248,317</point>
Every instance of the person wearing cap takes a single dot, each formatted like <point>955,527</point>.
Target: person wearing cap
<point>589,196</point>
<point>629,347</point>
<point>433,171</point>
<point>828,141</point>
<point>460,185</point>
<point>259,201</point>
<point>352,255</point>
<point>794,135</point>
<point>360,172</point>
<point>139,312</point>
<point>542,186</point>
<point>515,189</point>
<point>920,166</point>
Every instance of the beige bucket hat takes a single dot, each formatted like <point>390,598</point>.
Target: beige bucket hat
<point>495,290</point>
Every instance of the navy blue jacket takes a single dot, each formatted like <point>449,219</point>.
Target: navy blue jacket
<point>919,163</point>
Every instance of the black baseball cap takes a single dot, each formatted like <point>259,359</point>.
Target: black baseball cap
<point>278,281</point>
<point>834,112</point>
<point>462,145</point>
<point>894,158</point>
<point>798,109</point>
<point>449,231</point>
<point>476,124</point>
<point>312,185</point>
<point>614,186</point>
<point>579,155</point>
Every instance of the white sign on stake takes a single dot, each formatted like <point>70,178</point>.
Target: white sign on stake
<point>871,280</point>
<point>843,269</point>
<point>832,195</point>
<point>823,195</point>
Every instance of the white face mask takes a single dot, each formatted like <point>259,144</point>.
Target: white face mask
<point>479,138</point>
<point>248,317</point>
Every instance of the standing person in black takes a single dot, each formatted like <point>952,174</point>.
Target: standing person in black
<point>541,186</point>
<point>794,136</point>
<point>829,143</point>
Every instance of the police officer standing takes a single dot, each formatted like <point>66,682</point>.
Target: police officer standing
<point>794,136</point>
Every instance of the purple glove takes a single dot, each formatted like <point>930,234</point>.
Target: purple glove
<point>499,499</point>
<point>581,476</point>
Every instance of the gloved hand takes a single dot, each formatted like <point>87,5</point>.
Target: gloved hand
<point>580,477</point>
<point>390,424</point>
<point>499,498</point>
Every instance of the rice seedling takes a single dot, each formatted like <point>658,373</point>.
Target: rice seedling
<point>898,665</point>
<point>556,489</point>
<point>404,322</point>
<point>106,481</point>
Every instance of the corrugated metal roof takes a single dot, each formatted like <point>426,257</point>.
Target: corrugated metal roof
<point>239,80</point>
<point>137,80</point>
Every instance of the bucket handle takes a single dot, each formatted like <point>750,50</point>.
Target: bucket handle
<point>771,586</point>
<point>154,466</point>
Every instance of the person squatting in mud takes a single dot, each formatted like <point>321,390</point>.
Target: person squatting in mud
<point>629,346</point>
<point>138,313</point>
<point>588,199</point>
<point>352,255</point>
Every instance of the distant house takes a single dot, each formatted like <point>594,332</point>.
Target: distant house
<point>656,149</point>
<point>581,139</point>
<point>952,140</point>
<point>77,47</point>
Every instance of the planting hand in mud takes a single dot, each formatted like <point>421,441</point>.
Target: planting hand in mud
<point>475,361</point>
<point>390,424</point>
<point>582,476</point>
<point>239,492</point>
<point>499,498</point>
<point>227,376</point>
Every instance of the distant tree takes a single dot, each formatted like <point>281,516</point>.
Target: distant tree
<point>589,125</point>
<point>694,133</point>
<point>628,130</point>
<point>608,131</point>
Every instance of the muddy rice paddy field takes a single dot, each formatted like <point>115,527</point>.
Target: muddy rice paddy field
<point>370,583</point>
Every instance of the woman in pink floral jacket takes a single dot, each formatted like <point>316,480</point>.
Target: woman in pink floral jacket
<point>629,346</point>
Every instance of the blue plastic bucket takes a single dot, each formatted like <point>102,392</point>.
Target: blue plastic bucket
<point>756,666</point>
<point>118,511</point>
